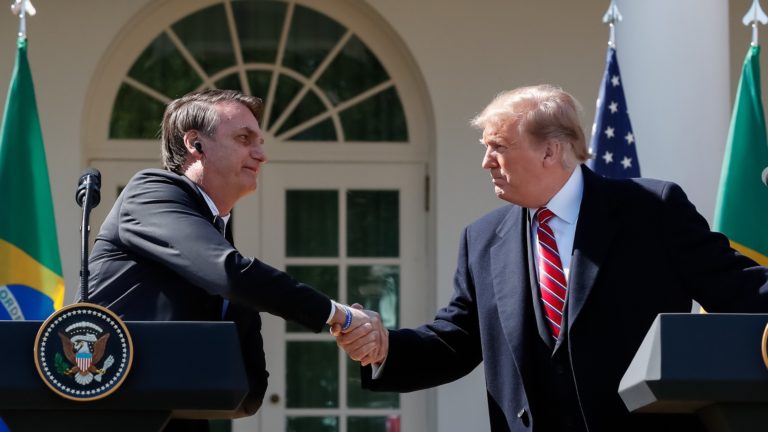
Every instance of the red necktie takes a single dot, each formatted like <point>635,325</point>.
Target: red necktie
<point>552,283</point>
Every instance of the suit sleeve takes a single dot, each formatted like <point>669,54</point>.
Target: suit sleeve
<point>436,353</point>
<point>159,220</point>
<point>717,276</point>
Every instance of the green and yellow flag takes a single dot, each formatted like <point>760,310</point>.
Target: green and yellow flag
<point>31,283</point>
<point>742,201</point>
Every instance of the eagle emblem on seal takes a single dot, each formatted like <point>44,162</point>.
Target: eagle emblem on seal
<point>85,351</point>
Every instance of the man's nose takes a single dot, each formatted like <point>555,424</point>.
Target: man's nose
<point>488,161</point>
<point>259,154</point>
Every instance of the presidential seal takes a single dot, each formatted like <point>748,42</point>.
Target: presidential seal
<point>83,352</point>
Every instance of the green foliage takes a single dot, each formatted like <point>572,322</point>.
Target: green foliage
<point>61,366</point>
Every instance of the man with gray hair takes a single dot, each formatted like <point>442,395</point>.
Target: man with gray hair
<point>555,291</point>
<point>165,251</point>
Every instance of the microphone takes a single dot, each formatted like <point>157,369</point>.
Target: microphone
<point>90,180</point>
<point>765,176</point>
<point>87,196</point>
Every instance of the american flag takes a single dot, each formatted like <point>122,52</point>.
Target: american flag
<point>613,142</point>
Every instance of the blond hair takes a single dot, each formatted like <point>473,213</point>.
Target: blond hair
<point>543,112</point>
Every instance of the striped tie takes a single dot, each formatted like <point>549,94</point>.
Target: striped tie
<point>552,283</point>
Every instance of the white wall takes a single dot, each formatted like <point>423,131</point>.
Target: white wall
<point>675,65</point>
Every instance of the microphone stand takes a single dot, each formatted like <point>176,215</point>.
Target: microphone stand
<point>85,230</point>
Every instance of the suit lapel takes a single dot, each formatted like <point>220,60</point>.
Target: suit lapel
<point>596,228</point>
<point>509,274</point>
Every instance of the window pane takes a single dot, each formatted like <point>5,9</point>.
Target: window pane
<point>373,223</point>
<point>377,287</point>
<point>311,38</point>
<point>378,118</point>
<point>312,223</point>
<point>323,131</point>
<point>135,115</point>
<point>229,82</point>
<point>162,67</point>
<point>309,107</point>
<point>357,397</point>
<point>312,375</point>
<point>259,82</point>
<point>352,72</point>
<point>312,424</point>
<point>258,26</point>
<point>206,35</point>
<point>323,278</point>
<point>374,424</point>
<point>287,88</point>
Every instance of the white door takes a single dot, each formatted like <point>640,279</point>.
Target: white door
<point>358,233</point>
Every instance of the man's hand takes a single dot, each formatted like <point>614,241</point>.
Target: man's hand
<point>368,342</point>
<point>357,315</point>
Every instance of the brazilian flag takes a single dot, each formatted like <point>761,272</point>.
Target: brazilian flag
<point>742,201</point>
<point>31,283</point>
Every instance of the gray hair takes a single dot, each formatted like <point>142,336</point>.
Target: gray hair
<point>196,111</point>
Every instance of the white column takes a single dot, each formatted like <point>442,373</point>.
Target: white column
<point>675,64</point>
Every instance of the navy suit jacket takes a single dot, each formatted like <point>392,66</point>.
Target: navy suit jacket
<point>640,249</point>
<point>159,257</point>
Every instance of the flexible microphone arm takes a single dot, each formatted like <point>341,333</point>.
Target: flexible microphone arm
<point>87,196</point>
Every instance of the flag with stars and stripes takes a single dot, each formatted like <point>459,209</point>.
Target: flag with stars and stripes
<point>613,142</point>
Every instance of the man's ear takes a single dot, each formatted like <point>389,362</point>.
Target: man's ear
<point>553,152</point>
<point>190,138</point>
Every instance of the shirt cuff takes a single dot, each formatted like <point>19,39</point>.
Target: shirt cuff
<point>333,312</point>
<point>376,369</point>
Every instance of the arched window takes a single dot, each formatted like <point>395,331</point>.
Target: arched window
<point>320,82</point>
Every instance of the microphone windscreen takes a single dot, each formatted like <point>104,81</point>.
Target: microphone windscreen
<point>90,171</point>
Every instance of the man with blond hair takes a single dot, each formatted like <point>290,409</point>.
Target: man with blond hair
<point>555,291</point>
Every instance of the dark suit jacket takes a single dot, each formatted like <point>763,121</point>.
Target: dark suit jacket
<point>640,249</point>
<point>159,256</point>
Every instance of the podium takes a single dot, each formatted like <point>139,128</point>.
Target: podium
<point>180,370</point>
<point>707,364</point>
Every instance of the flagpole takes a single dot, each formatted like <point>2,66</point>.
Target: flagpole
<point>611,17</point>
<point>754,15</point>
<point>612,145</point>
<point>22,8</point>
<point>23,24</point>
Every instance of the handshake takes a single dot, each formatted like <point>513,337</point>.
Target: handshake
<point>360,333</point>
